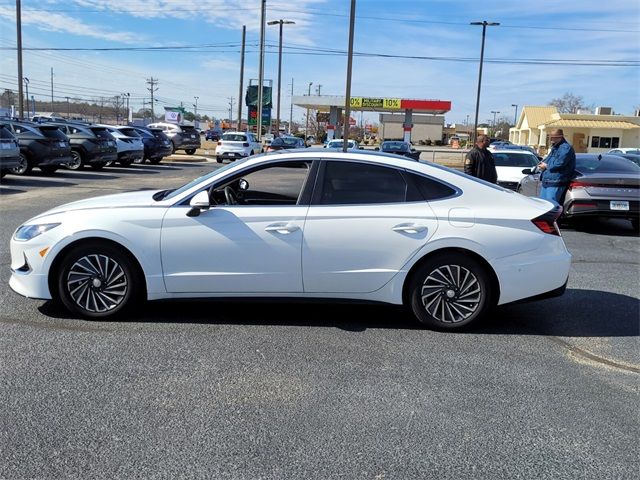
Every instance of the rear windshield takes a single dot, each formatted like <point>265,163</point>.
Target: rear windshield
<point>506,159</point>
<point>129,132</point>
<point>75,130</point>
<point>288,141</point>
<point>101,132</point>
<point>605,164</point>
<point>53,132</point>
<point>394,146</point>
<point>144,133</point>
<point>5,133</point>
<point>187,128</point>
<point>338,144</point>
<point>234,137</point>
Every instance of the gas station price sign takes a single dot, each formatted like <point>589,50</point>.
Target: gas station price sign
<point>366,102</point>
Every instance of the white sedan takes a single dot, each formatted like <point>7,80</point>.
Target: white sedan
<point>313,224</point>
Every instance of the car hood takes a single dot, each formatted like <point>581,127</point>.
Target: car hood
<point>130,199</point>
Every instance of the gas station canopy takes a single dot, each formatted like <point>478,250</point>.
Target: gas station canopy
<point>323,103</point>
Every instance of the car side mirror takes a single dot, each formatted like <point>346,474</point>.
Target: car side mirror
<point>527,171</point>
<point>199,202</point>
<point>243,184</point>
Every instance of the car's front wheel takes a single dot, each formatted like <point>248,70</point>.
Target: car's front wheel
<point>190,151</point>
<point>97,280</point>
<point>450,291</point>
<point>76,161</point>
<point>24,167</point>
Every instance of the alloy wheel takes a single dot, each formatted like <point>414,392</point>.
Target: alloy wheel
<point>97,283</point>
<point>451,294</point>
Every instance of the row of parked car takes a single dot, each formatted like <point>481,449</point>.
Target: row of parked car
<point>55,143</point>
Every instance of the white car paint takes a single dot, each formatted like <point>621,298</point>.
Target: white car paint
<point>512,174</point>
<point>361,252</point>
<point>228,147</point>
<point>130,146</point>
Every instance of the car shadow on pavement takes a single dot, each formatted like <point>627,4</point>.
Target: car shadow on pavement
<point>33,182</point>
<point>602,226</point>
<point>578,313</point>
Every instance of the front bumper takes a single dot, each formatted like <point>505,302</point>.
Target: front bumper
<point>9,162</point>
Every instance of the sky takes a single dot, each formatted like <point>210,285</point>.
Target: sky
<point>419,49</point>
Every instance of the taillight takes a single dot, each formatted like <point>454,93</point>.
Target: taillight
<point>245,144</point>
<point>576,184</point>
<point>219,142</point>
<point>547,221</point>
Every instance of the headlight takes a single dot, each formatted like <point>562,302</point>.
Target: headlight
<point>27,232</point>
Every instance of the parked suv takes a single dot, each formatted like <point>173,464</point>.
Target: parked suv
<point>183,137</point>
<point>41,145</point>
<point>129,143</point>
<point>156,144</point>
<point>9,151</point>
<point>90,145</point>
<point>235,145</point>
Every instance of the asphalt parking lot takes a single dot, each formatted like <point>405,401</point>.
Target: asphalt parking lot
<point>278,390</point>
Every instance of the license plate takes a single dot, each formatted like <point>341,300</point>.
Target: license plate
<point>232,154</point>
<point>5,146</point>
<point>62,144</point>
<point>619,205</point>
<point>193,136</point>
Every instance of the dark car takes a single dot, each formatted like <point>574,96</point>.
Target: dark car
<point>400,148</point>
<point>41,145</point>
<point>9,151</point>
<point>603,186</point>
<point>156,144</point>
<point>183,137</point>
<point>90,145</point>
<point>212,135</point>
<point>285,143</point>
<point>634,157</point>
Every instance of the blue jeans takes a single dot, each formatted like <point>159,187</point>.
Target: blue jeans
<point>553,193</point>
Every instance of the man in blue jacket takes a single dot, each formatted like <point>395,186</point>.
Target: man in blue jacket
<point>557,168</point>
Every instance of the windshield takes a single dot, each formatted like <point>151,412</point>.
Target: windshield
<point>288,141</point>
<point>605,164</point>
<point>234,137</point>
<point>507,159</point>
<point>394,146</point>
<point>338,144</point>
<point>195,182</point>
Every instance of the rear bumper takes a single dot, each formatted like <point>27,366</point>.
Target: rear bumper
<point>600,208</point>
<point>51,161</point>
<point>9,162</point>
<point>232,155</point>
<point>132,155</point>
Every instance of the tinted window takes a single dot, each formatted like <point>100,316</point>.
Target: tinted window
<point>26,129</point>
<point>348,183</point>
<point>605,164</point>
<point>431,189</point>
<point>5,132</point>
<point>394,146</point>
<point>234,137</point>
<point>53,133</point>
<point>504,159</point>
<point>129,132</point>
<point>101,132</point>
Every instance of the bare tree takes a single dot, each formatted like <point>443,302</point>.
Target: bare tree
<point>570,103</point>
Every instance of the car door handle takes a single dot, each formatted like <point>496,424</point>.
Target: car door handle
<point>409,228</point>
<point>282,228</point>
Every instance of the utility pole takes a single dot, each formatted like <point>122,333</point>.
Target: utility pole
<point>68,109</point>
<point>291,108</point>
<point>484,24</point>
<point>494,121</point>
<point>195,112</point>
<point>280,22</point>
<point>306,129</point>
<point>261,67</point>
<point>126,95</point>
<point>52,90</point>
<point>230,110</point>
<point>19,45</point>
<point>347,102</point>
<point>318,90</point>
<point>515,115</point>
<point>152,88</point>
<point>244,36</point>
<point>100,114</point>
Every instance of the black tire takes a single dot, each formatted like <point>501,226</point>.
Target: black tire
<point>98,166</point>
<point>83,288</point>
<point>173,147</point>
<point>219,159</point>
<point>125,163</point>
<point>190,151</point>
<point>450,291</point>
<point>25,166</point>
<point>48,169</point>
<point>155,161</point>
<point>635,224</point>
<point>77,163</point>
<point>3,172</point>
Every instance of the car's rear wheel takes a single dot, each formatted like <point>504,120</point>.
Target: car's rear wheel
<point>450,291</point>
<point>219,159</point>
<point>99,166</point>
<point>97,280</point>
<point>3,172</point>
<point>24,167</point>
<point>125,163</point>
<point>76,161</point>
<point>155,161</point>
<point>635,224</point>
<point>190,151</point>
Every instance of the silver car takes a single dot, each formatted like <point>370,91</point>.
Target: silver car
<point>603,186</point>
<point>9,151</point>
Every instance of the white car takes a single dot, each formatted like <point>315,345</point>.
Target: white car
<point>338,144</point>
<point>129,143</point>
<point>509,165</point>
<point>312,224</point>
<point>634,151</point>
<point>237,145</point>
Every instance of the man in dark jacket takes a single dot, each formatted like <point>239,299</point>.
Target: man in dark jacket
<point>557,167</point>
<point>479,161</point>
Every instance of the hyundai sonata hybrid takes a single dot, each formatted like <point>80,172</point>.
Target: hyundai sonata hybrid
<point>312,223</point>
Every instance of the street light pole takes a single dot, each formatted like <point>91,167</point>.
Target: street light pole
<point>515,115</point>
<point>279,22</point>
<point>306,129</point>
<point>484,24</point>
<point>494,120</point>
<point>195,112</point>
<point>19,49</point>
<point>26,86</point>
<point>261,69</point>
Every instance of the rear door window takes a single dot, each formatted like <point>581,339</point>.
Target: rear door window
<point>53,132</point>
